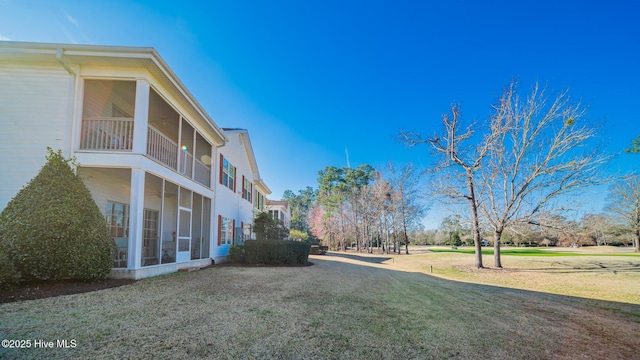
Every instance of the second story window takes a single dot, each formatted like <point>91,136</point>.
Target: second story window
<point>247,188</point>
<point>259,201</point>
<point>227,173</point>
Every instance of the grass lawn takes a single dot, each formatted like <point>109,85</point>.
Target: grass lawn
<point>346,306</point>
<point>603,273</point>
<point>538,251</point>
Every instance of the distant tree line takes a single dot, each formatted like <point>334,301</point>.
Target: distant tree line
<point>590,230</point>
<point>360,208</point>
<point>517,173</point>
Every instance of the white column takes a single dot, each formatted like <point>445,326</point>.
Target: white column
<point>141,117</point>
<point>136,215</point>
<point>77,114</point>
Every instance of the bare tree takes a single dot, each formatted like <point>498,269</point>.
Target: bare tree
<point>624,203</point>
<point>406,184</point>
<point>466,160</point>
<point>541,153</point>
<point>598,227</point>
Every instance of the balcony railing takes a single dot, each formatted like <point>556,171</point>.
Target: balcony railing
<point>202,173</point>
<point>107,133</point>
<point>186,164</point>
<point>116,134</point>
<point>161,148</point>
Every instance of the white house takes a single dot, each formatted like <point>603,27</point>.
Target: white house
<point>279,210</point>
<point>241,191</point>
<point>155,162</point>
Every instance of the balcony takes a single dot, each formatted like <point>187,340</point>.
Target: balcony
<point>107,133</point>
<point>108,124</point>
<point>161,148</point>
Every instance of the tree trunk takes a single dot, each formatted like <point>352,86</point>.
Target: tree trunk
<point>474,212</point>
<point>406,239</point>
<point>497,234</point>
<point>637,221</point>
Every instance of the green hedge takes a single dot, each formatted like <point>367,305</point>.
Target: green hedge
<point>8,273</point>
<point>276,252</point>
<point>235,254</point>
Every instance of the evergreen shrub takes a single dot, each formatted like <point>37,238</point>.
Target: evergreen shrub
<point>53,229</point>
<point>8,273</point>
<point>276,252</point>
<point>235,254</point>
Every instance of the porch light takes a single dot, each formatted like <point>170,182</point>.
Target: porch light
<point>185,148</point>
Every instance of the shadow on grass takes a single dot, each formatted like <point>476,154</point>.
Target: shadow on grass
<point>582,269</point>
<point>366,259</point>
<point>631,310</point>
<point>591,267</point>
<point>545,252</point>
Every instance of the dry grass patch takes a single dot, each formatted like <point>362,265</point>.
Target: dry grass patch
<point>597,273</point>
<point>342,307</point>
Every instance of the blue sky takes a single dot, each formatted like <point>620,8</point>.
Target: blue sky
<point>310,79</point>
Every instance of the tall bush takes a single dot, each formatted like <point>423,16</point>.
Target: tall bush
<point>268,228</point>
<point>53,229</point>
<point>8,273</point>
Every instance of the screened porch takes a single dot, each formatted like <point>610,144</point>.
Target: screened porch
<point>175,223</point>
<point>108,125</point>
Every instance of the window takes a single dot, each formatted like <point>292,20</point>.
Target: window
<point>118,219</point>
<point>247,188</point>
<point>227,173</point>
<point>150,237</point>
<point>246,231</point>
<point>225,230</point>
<point>118,222</point>
<point>259,200</point>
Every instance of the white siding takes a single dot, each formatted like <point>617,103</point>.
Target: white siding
<point>35,112</point>
<point>228,203</point>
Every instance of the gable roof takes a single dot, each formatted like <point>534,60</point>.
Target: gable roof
<point>248,148</point>
<point>283,203</point>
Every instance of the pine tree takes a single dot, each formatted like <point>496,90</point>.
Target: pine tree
<point>635,146</point>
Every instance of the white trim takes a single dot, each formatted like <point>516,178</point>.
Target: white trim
<point>76,137</point>
<point>155,270</point>
<point>136,218</point>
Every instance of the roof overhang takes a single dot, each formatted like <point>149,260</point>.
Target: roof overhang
<point>117,56</point>
<point>248,148</point>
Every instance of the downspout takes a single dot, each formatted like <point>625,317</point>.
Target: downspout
<point>59,54</point>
